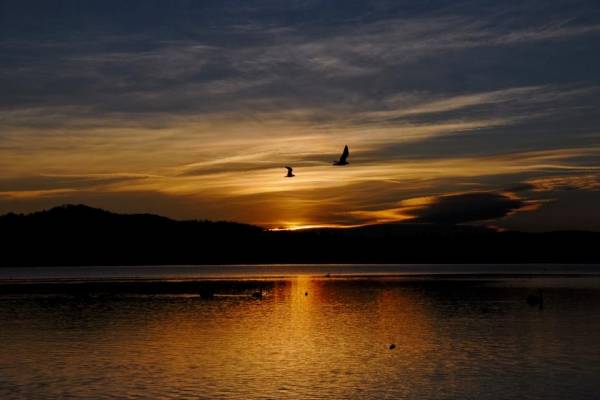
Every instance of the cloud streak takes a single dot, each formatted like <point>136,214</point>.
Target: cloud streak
<point>208,108</point>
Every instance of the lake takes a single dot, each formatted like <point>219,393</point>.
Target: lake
<point>461,331</point>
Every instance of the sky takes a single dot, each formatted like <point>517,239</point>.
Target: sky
<point>480,112</point>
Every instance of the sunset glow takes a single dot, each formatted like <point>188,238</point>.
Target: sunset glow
<point>168,136</point>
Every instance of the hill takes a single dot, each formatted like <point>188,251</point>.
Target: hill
<point>81,235</point>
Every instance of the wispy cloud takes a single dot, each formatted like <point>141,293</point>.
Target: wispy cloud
<point>210,112</point>
<point>557,183</point>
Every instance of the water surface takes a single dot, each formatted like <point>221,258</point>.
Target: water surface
<point>311,336</point>
<point>172,272</point>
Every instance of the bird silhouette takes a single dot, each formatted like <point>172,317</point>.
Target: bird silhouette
<point>290,174</point>
<point>343,157</point>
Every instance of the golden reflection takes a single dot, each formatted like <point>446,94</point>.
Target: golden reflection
<point>332,343</point>
<point>404,322</point>
<point>337,329</point>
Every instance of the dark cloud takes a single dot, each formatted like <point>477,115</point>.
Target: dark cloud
<point>148,56</point>
<point>468,207</point>
<point>520,187</point>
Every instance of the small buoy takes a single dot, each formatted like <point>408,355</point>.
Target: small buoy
<point>392,346</point>
<point>306,293</point>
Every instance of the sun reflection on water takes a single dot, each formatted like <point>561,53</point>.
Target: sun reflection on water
<point>309,337</point>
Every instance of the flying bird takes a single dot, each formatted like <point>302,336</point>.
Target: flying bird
<point>343,157</point>
<point>290,174</point>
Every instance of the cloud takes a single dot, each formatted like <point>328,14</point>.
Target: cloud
<point>565,183</point>
<point>286,65</point>
<point>450,208</point>
<point>520,187</point>
<point>209,101</point>
<point>30,188</point>
<point>468,207</point>
<point>585,182</point>
<point>507,101</point>
<point>65,182</point>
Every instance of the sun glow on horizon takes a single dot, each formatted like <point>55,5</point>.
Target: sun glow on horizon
<point>294,226</point>
<point>186,143</point>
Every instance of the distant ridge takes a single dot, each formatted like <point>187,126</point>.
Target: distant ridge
<point>80,215</point>
<point>82,235</point>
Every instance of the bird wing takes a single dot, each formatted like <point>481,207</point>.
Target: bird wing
<point>345,154</point>
<point>290,169</point>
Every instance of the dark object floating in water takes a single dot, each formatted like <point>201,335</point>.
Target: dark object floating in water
<point>290,173</point>
<point>257,295</point>
<point>328,275</point>
<point>536,300</point>
<point>343,157</point>
<point>207,295</point>
<point>392,346</point>
<point>306,293</point>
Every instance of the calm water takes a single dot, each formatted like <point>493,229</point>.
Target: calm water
<point>457,336</point>
<point>284,270</point>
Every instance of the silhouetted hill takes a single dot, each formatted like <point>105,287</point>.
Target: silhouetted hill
<point>81,235</point>
<point>71,218</point>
